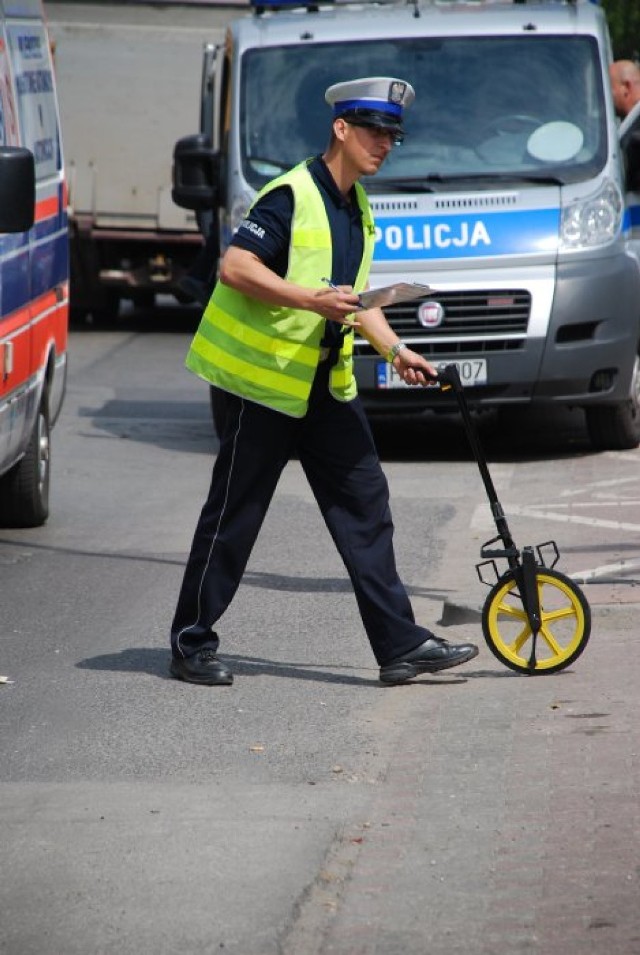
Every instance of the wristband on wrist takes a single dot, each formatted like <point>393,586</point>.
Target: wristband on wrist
<point>393,351</point>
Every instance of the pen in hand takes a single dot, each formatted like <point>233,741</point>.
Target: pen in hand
<point>336,288</point>
<point>330,284</point>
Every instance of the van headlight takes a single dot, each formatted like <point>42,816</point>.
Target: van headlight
<point>592,221</point>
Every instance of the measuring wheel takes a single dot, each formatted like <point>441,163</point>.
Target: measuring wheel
<point>564,629</point>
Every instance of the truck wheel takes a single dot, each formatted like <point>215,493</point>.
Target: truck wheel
<point>24,490</point>
<point>77,316</point>
<point>106,313</point>
<point>144,300</point>
<point>617,427</point>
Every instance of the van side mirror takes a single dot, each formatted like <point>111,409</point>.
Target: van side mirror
<point>17,189</point>
<point>196,174</point>
<point>632,162</point>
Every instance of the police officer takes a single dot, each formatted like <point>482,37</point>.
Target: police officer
<point>276,339</point>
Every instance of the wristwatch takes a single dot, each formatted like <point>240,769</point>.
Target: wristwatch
<point>393,351</point>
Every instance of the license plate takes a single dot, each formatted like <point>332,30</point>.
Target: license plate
<point>472,371</point>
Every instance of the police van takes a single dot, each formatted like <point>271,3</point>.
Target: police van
<point>508,196</point>
<point>34,263</point>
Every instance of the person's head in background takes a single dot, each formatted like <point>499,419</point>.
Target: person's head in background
<point>625,86</point>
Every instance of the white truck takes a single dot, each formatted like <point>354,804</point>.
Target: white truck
<point>128,76</point>
<point>508,195</point>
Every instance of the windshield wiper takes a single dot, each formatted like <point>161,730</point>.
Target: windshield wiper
<point>545,178</point>
<point>413,184</point>
<point>430,181</point>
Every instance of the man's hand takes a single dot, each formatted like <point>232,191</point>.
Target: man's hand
<point>337,304</point>
<point>414,369</point>
<point>244,271</point>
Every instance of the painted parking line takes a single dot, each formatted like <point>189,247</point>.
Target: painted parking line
<point>589,488</point>
<point>623,568</point>
<point>482,518</point>
<point>565,518</point>
<point>596,501</point>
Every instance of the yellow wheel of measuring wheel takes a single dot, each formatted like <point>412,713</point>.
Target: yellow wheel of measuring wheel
<point>564,629</point>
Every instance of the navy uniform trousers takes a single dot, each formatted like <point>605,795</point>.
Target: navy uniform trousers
<point>335,447</point>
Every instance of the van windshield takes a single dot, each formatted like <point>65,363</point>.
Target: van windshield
<point>487,109</point>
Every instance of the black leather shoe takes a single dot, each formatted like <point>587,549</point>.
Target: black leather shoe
<point>203,667</point>
<point>432,655</point>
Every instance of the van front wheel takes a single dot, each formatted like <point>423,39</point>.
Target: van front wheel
<point>24,490</point>
<point>617,427</point>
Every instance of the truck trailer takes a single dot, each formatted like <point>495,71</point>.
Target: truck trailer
<point>129,80</point>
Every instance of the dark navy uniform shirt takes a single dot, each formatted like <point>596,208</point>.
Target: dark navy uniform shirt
<point>267,231</point>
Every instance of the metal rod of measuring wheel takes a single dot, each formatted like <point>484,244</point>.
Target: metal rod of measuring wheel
<point>530,599</point>
<point>451,375</point>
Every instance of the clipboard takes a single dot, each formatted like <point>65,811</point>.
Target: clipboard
<point>394,294</point>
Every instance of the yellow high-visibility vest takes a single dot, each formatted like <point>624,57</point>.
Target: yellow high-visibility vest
<point>269,353</point>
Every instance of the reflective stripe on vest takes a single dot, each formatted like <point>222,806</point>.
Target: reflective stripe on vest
<point>270,353</point>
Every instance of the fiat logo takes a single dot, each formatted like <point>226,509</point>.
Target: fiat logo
<point>430,314</point>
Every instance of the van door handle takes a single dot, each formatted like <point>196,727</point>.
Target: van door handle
<point>7,360</point>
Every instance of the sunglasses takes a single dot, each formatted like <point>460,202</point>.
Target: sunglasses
<point>379,132</point>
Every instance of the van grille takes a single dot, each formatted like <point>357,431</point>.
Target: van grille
<point>502,311</point>
<point>477,202</point>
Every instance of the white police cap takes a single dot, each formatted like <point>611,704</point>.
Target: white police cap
<point>373,100</point>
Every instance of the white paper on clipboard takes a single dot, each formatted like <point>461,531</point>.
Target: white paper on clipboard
<point>394,294</point>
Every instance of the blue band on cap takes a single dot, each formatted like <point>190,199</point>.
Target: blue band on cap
<point>381,105</point>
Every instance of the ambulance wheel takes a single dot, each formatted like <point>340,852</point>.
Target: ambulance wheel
<point>565,623</point>
<point>24,490</point>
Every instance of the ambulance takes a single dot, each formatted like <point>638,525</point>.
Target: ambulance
<point>509,196</point>
<point>34,264</point>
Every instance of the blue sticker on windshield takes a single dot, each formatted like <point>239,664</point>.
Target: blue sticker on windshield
<point>466,236</point>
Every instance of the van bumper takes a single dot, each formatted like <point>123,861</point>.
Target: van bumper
<point>585,358</point>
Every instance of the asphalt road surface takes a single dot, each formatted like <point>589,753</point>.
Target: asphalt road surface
<point>307,809</point>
